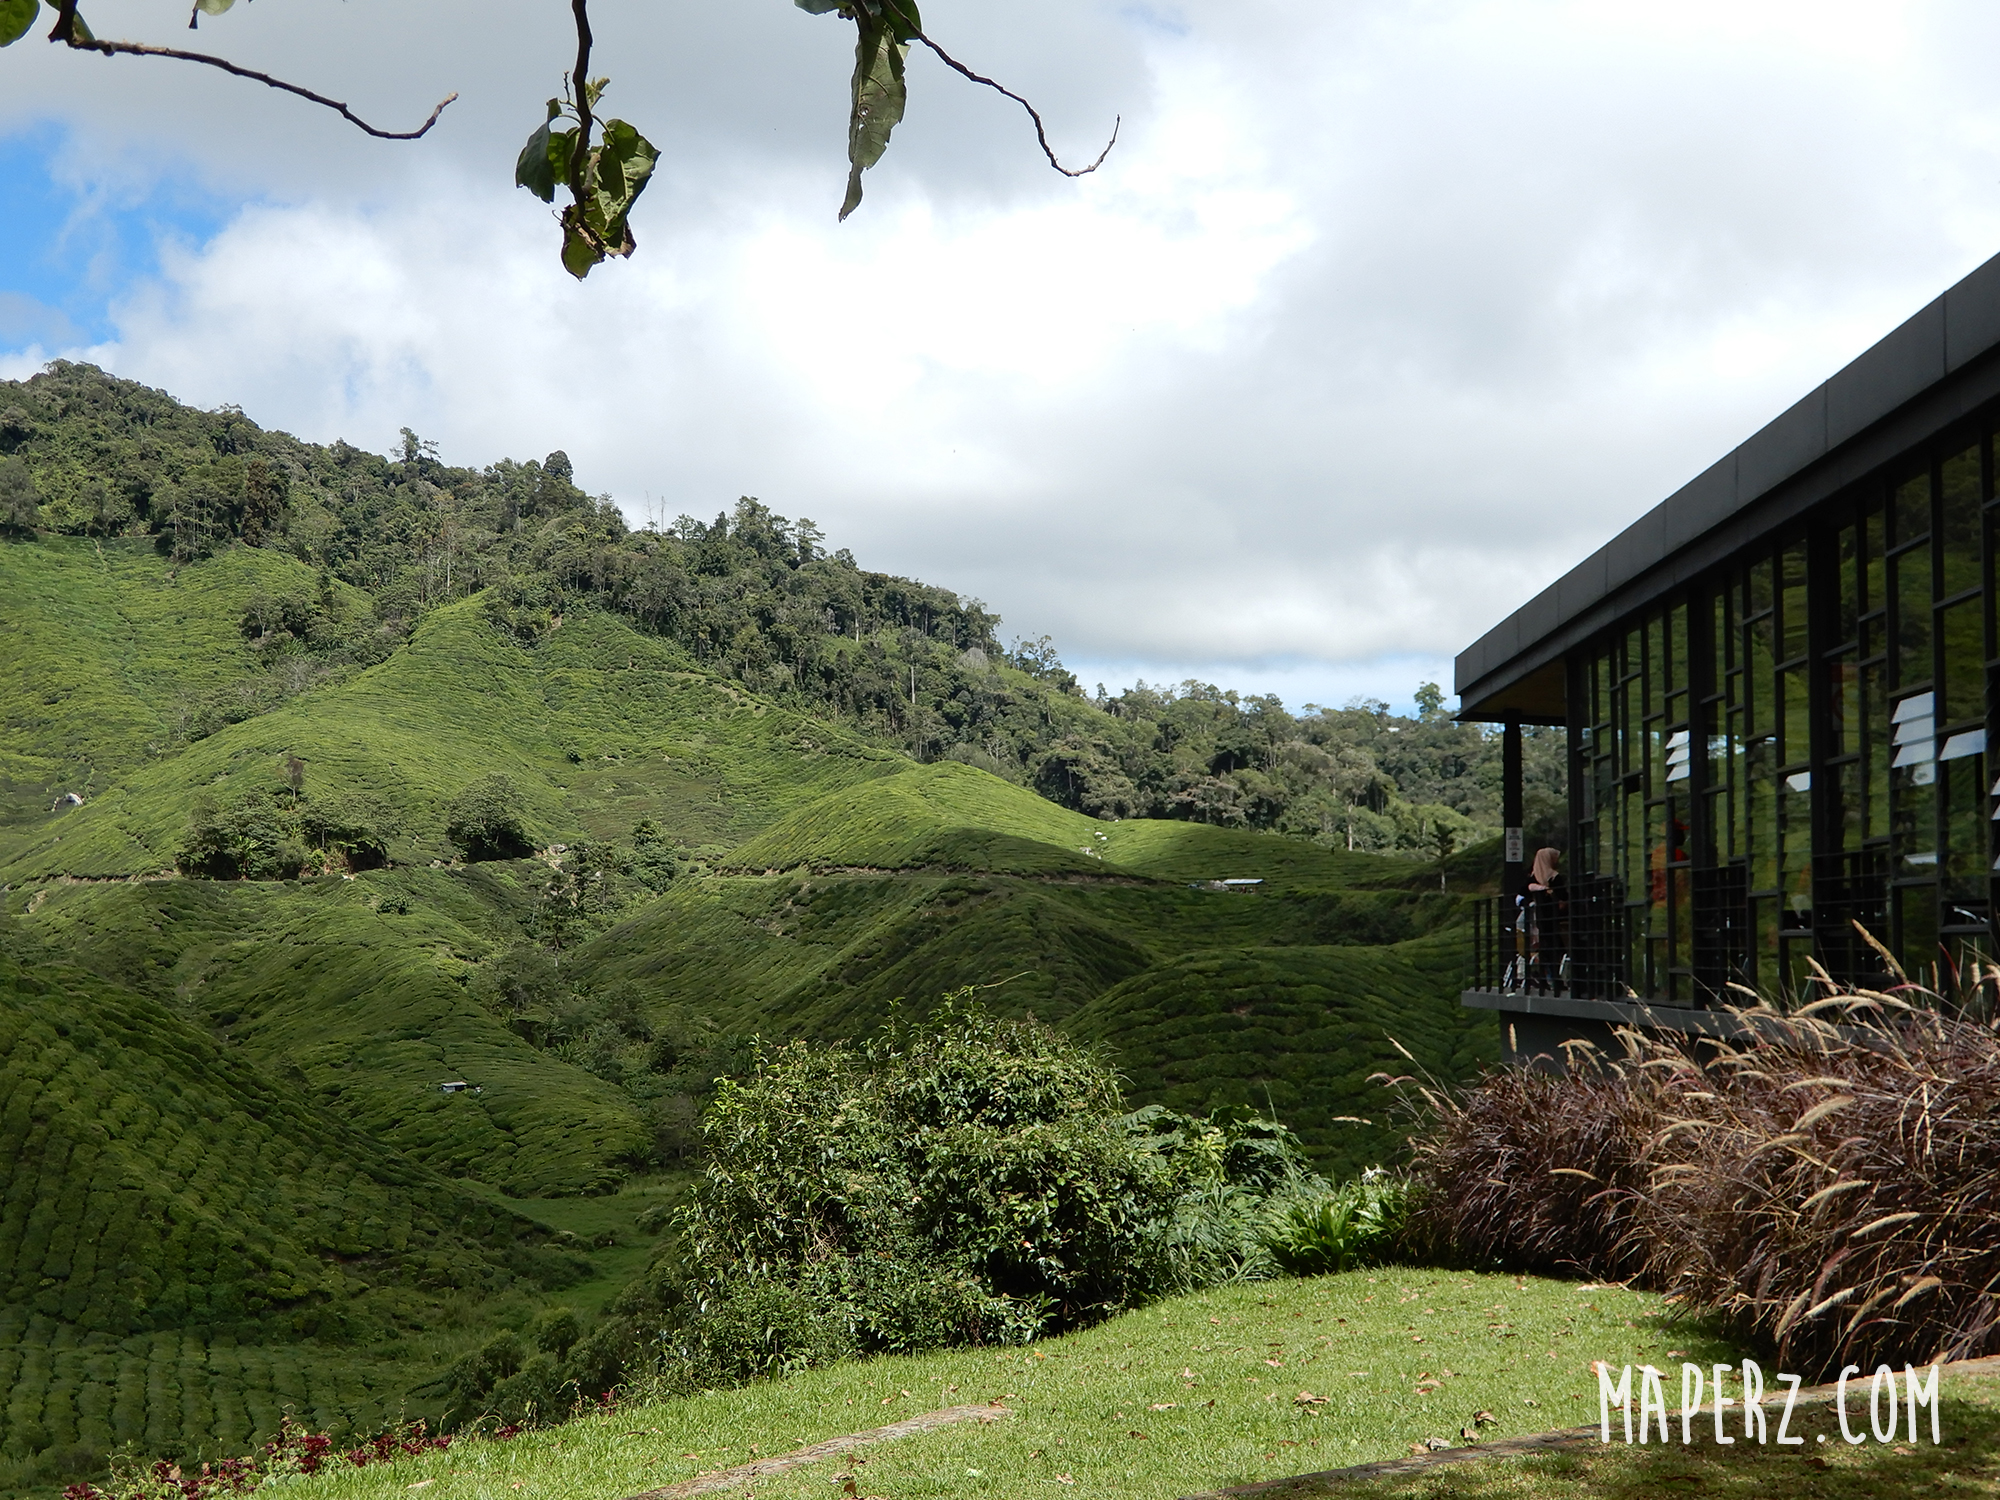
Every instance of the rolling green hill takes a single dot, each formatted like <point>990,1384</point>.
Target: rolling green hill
<point>758,793</point>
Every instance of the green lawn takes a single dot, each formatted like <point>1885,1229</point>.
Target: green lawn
<point>1966,1463</point>
<point>1195,1392</point>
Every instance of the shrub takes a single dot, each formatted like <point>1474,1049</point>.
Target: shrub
<point>485,821</point>
<point>20,504</point>
<point>1832,1183</point>
<point>1356,1224</point>
<point>354,830</point>
<point>963,1180</point>
<point>248,839</point>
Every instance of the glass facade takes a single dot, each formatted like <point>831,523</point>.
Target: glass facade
<point>1793,748</point>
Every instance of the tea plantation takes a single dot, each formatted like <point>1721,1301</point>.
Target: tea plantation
<point>282,855</point>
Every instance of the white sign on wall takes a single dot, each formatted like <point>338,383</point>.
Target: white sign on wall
<point>1514,846</point>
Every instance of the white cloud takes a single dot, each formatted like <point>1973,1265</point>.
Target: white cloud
<point>1378,317</point>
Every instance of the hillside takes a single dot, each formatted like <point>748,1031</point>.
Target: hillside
<point>189,1243</point>
<point>327,780</point>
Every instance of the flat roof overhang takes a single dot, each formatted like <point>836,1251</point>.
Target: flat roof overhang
<point>1940,367</point>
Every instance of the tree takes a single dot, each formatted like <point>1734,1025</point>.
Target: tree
<point>485,821</point>
<point>603,165</point>
<point>20,504</point>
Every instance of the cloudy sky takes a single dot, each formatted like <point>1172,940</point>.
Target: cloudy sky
<point>1379,316</point>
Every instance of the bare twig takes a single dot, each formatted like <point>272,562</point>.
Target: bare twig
<point>1040,134</point>
<point>64,31</point>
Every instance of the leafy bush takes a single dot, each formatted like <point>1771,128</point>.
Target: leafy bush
<point>1830,1184</point>
<point>485,820</point>
<point>1355,1224</point>
<point>354,830</point>
<point>962,1180</point>
<point>248,839</point>
<point>20,504</point>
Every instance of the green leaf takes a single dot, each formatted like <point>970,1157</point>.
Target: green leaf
<point>879,100</point>
<point>899,16</point>
<point>531,168</point>
<point>614,177</point>
<point>536,168</point>
<point>213,7</point>
<point>79,29</point>
<point>818,7</point>
<point>16,17</point>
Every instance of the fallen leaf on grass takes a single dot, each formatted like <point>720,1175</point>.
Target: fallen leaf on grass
<point>1163,1406</point>
<point>1135,1432</point>
<point>1814,1461</point>
<point>1276,1364</point>
<point>1064,1479</point>
<point>1482,1418</point>
<point>1307,1398</point>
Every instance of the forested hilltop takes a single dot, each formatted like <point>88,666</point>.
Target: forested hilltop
<point>750,596</point>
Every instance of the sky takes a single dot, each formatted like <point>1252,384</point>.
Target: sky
<point>1378,317</point>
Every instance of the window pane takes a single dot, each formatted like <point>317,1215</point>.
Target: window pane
<point>1852,812</point>
<point>1757,684</point>
<point>1875,730</point>
<point>1963,787</point>
<point>1656,666</point>
<point>1849,565</point>
<point>1911,510</point>
<point>1913,617</point>
<point>1962,633</point>
<point>1761,594</point>
<point>1793,607</point>
<point>1760,778</point>
<point>1875,594</point>
<point>1797,736</point>
<point>1958,523</point>
<point>1916,931</point>
<point>1843,706</point>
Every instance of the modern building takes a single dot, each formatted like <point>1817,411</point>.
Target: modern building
<point>1777,687</point>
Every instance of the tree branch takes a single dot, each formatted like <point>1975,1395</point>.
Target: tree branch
<point>1040,134</point>
<point>65,32</point>
<point>579,82</point>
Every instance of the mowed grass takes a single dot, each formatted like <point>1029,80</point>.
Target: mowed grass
<point>1195,1392</point>
<point>1966,1462</point>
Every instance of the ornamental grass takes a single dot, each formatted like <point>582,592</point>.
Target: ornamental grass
<point>1828,1181</point>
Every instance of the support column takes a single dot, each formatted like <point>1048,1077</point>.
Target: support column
<point>1514,879</point>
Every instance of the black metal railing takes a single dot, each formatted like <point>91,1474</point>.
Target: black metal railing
<point>1574,945</point>
<point>1849,887</point>
<point>1720,951</point>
